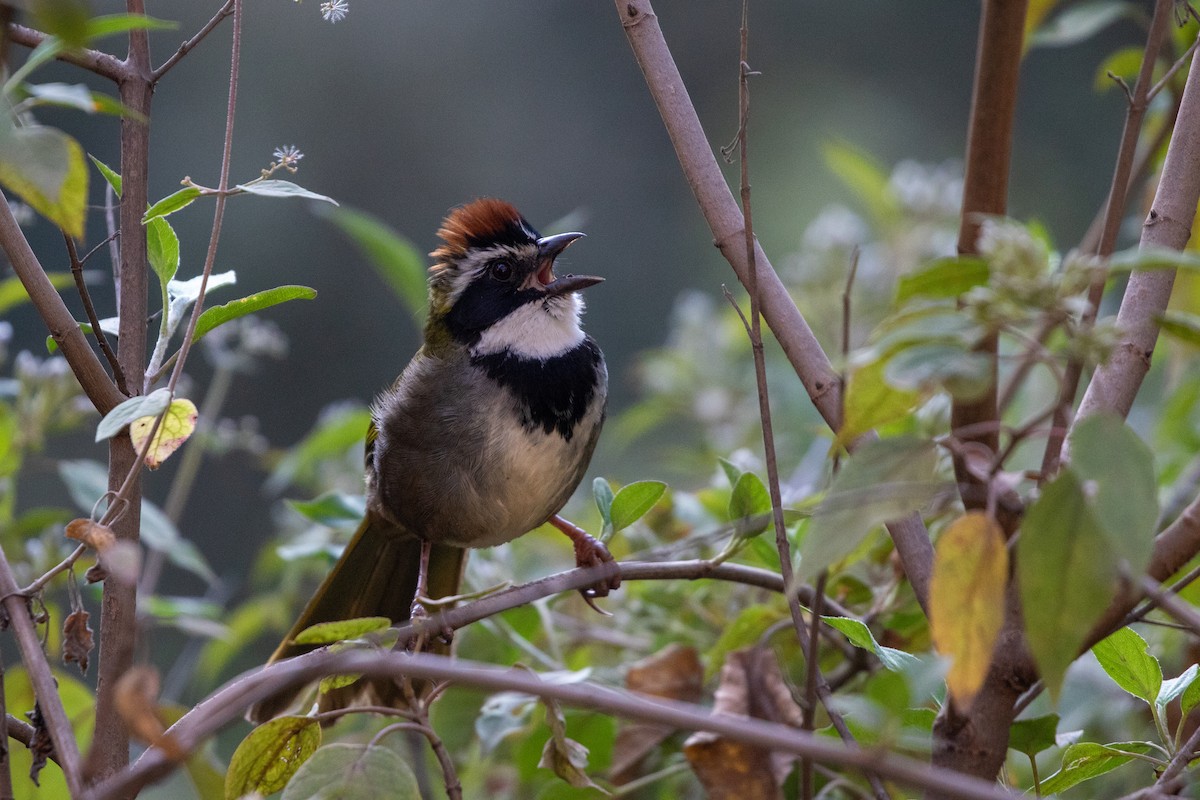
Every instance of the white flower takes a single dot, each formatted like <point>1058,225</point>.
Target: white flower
<point>335,10</point>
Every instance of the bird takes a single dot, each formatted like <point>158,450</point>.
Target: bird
<point>483,437</point>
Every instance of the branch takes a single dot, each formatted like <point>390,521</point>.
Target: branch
<point>62,327</point>
<point>725,220</point>
<point>1169,225</point>
<point>187,46</point>
<point>90,310</point>
<point>227,704</point>
<point>45,688</point>
<point>1114,211</point>
<point>985,191</point>
<point>103,64</point>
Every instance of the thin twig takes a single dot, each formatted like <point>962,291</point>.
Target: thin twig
<point>1114,211</point>
<point>6,786</point>
<point>1170,73</point>
<point>191,43</point>
<point>90,310</point>
<point>227,704</point>
<point>219,212</point>
<point>45,688</point>
<point>808,720</point>
<point>1168,602</point>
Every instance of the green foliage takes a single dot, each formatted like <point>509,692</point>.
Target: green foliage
<point>1080,22</point>
<point>214,316</point>
<point>330,632</point>
<point>269,757</point>
<point>397,261</point>
<point>1124,657</point>
<point>46,168</point>
<point>353,772</point>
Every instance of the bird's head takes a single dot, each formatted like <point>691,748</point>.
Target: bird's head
<point>492,286</point>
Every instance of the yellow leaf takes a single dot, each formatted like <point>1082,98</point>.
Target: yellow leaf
<point>176,427</point>
<point>970,573</point>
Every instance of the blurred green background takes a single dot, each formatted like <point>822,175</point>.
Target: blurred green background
<point>405,109</point>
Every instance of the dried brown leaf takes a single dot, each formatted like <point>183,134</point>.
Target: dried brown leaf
<point>136,696</point>
<point>77,639</point>
<point>93,534</point>
<point>41,747</point>
<point>675,673</point>
<point>730,770</point>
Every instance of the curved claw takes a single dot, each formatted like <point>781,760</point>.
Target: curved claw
<point>590,552</point>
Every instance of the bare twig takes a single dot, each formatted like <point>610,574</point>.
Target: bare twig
<point>1174,68</point>
<point>6,786</point>
<point>227,704</point>
<point>45,688</point>
<point>1169,603</point>
<point>191,43</point>
<point>88,370</point>
<point>725,220</point>
<point>1168,225</point>
<point>90,310</point>
<point>1114,211</point>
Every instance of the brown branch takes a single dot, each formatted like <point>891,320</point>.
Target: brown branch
<point>45,688</point>
<point>118,609</point>
<point>45,298</point>
<point>103,64</point>
<point>6,785</point>
<point>1114,211</point>
<point>1168,225</point>
<point>725,220</point>
<point>191,43</point>
<point>985,191</point>
<point>227,704</point>
<point>90,310</point>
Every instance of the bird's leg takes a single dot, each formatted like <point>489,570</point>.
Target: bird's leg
<point>419,613</point>
<point>589,552</point>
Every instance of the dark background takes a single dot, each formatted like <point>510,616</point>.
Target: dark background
<point>405,109</point>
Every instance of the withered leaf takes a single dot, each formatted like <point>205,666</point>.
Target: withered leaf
<point>93,534</point>
<point>674,672</point>
<point>136,696</point>
<point>77,639</point>
<point>41,747</point>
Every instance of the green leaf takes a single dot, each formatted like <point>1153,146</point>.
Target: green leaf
<point>1087,760</point>
<point>148,405</point>
<point>871,401</point>
<point>269,756</point>
<point>746,630</point>
<point>502,715</point>
<point>113,24</point>
<point>353,772</point>
<point>1122,492</point>
<point>162,249</point>
<point>864,177</point>
<point>68,95</point>
<point>1151,258</point>
<point>340,630</point>
<point>860,636</point>
<point>1066,571</point>
<point>750,505</point>
<point>1191,697</point>
<point>1174,687</point>
<point>397,261</point>
<point>114,180</point>
<point>1032,736</point>
<point>732,471</point>
<point>1181,326</point>
<point>275,188</point>
<point>332,508</point>
<point>602,493</point>
<point>881,481</point>
<point>171,203</point>
<point>1124,656</point>
<point>633,500</point>
<point>1080,22</point>
<point>12,291</point>
<point>943,278</point>
<point>219,315</point>
<point>924,368</point>
<point>63,19</point>
<point>46,168</point>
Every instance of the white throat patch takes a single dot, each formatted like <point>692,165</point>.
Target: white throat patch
<point>538,330</point>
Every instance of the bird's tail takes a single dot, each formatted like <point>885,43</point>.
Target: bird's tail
<point>375,577</point>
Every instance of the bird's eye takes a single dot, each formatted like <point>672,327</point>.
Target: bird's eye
<point>502,271</point>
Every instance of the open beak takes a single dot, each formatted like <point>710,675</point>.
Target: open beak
<point>549,248</point>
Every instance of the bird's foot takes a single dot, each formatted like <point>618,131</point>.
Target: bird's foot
<point>418,617</point>
<point>590,552</point>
